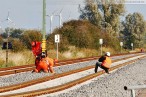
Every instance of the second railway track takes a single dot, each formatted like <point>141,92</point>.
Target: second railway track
<point>25,68</point>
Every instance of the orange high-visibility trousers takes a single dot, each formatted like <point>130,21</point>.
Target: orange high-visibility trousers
<point>42,66</point>
<point>50,63</point>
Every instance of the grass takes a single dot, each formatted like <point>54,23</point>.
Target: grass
<point>16,59</point>
<point>26,57</point>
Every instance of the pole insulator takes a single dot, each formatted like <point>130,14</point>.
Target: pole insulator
<point>43,45</point>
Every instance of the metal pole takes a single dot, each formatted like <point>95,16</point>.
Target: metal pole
<point>133,93</point>
<point>6,56</point>
<point>7,47</point>
<point>44,19</point>
<point>121,49</point>
<point>132,46</point>
<point>60,20</point>
<point>133,88</point>
<point>7,53</point>
<point>101,42</point>
<point>44,27</point>
<point>101,49</point>
<point>51,19</point>
<point>57,50</point>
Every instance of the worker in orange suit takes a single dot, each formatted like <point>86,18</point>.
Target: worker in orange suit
<point>42,65</point>
<point>50,62</point>
<point>104,62</point>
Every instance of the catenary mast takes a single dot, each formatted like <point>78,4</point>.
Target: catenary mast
<point>44,27</point>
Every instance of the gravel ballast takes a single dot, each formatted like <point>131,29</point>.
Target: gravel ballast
<point>27,76</point>
<point>112,85</point>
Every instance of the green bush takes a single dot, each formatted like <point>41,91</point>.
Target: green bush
<point>111,41</point>
<point>1,40</point>
<point>78,33</point>
<point>30,35</point>
<point>17,45</point>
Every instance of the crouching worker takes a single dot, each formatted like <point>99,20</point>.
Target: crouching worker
<point>104,62</point>
<point>50,62</point>
<point>42,65</point>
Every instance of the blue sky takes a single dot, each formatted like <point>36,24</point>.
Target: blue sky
<point>28,13</point>
<point>131,8</point>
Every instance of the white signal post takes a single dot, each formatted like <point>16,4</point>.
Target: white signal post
<point>101,42</point>
<point>121,44</point>
<point>57,40</point>
<point>132,46</point>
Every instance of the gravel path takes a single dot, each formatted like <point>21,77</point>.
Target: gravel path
<point>112,85</point>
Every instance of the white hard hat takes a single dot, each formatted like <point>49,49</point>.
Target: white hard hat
<point>107,53</point>
<point>43,54</point>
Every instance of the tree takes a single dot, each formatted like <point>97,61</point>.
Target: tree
<point>30,35</point>
<point>1,40</point>
<point>134,29</point>
<point>105,15</point>
<point>78,33</point>
<point>16,33</point>
<point>17,45</point>
<point>91,13</point>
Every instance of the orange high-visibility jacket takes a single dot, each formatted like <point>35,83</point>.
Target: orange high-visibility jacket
<point>49,61</point>
<point>107,62</point>
<point>41,65</point>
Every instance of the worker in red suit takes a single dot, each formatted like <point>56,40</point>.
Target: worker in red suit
<point>37,60</point>
<point>36,48</point>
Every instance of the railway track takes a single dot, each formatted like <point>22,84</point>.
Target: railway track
<point>25,68</point>
<point>59,87</point>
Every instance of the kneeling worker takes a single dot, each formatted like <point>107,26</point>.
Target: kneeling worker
<point>42,65</point>
<point>104,62</point>
<point>50,62</point>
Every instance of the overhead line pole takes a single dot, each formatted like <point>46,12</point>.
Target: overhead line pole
<point>44,27</point>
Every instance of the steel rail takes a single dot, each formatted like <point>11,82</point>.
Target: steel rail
<point>25,68</point>
<point>43,79</point>
<point>66,85</point>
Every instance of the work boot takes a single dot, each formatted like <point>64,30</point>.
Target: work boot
<point>108,72</point>
<point>33,71</point>
<point>95,70</point>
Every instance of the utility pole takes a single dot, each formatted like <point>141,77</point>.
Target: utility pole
<point>51,19</point>
<point>44,27</point>
<point>7,47</point>
<point>60,18</point>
